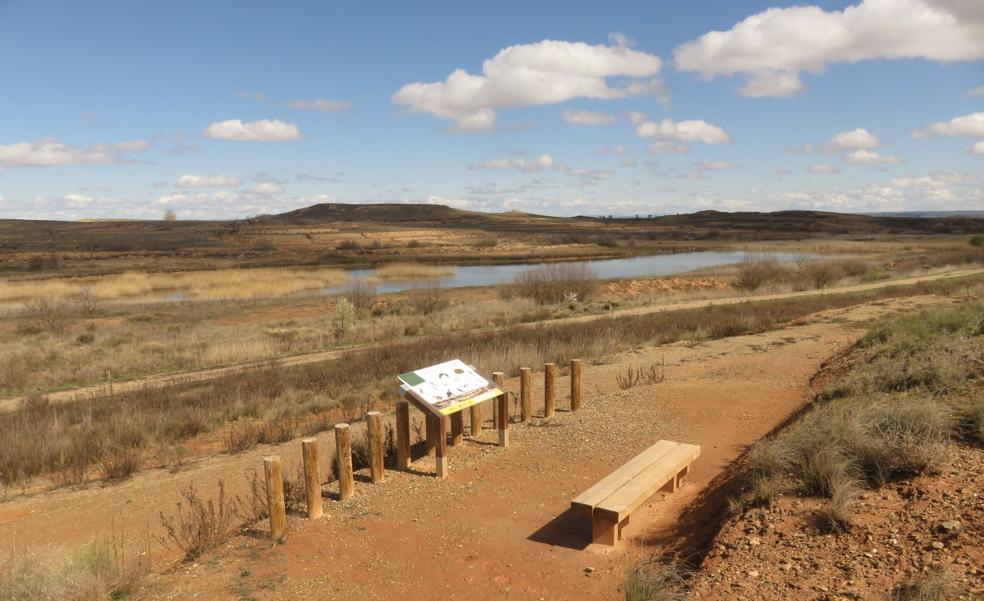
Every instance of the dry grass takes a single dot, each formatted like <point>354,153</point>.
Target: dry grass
<point>653,580</point>
<point>221,283</point>
<point>413,271</point>
<point>201,525</point>
<point>557,282</point>
<point>100,569</point>
<point>931,586</point>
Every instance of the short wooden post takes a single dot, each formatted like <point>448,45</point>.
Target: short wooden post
<point>402,435</point>
<point>549,388</point>
<point>109,378</point>
<point>312,477</point>
<point>476,419</point>
<point>431,423</point>
<point>374,429</point>
<point>457,428</point>
<point>502,414</point>
<point>525,394</point>
<point>575,384</point>
<point>343,455</point>
<point>441,448</point>
<point>274,472</point>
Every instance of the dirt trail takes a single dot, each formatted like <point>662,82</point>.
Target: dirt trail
<point>169,379</point>
<point>499,526</point>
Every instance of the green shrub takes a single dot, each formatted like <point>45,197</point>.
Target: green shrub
<point>977,241</point>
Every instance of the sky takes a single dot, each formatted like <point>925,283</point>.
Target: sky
<point>218,110</point>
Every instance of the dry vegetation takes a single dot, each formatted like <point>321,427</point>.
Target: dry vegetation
<point>914,386</point>
<point>413,271</point>
<point>76,441</point>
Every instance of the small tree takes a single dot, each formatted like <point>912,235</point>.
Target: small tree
<point>170,215</point>
<point>977,240</point>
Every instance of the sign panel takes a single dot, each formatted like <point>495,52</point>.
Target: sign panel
<point>448,387</point>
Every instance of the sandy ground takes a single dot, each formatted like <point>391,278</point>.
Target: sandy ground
<point>499,527</point>
<point>142,383</point>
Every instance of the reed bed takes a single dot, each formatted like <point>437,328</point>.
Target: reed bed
<point>413,271</point>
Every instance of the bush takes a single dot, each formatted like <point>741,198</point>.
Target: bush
<point>361,294</point>
<point>429,300</point>
<point>349,244</point>
<point>50,313</point>
<point>557,282</point>
<point>121,463</point>
<point>932,586</point>
<point>654,581</point>
<point>977,241</point>
<point>755,272</point>
<point>200,525</point>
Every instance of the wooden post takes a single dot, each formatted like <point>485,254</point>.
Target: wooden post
<point>476,419</point>
<point>575,384</point>
<point>502,414</point>
<point>549,388</point>
<point>441,448</point>
<point>109,378</point>
<point>525,394</point>
<point>312,477</point>
<point>431,422</point>
<point>457,428</point>
<point>343,455</point>
<point>374,428</point>
<point>274,472</point>
<point>402,435</point>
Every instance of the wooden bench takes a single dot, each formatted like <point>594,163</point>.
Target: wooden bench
<point>611,501</point>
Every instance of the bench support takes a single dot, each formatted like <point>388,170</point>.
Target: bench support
<point>606,530</point>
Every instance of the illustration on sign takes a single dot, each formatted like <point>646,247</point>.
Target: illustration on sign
<point>448,387</point>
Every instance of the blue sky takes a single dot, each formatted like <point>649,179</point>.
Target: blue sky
<point>218,110</point>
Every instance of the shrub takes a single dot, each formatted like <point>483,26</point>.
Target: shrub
<point>557,282</point>
<point>651,580</point>
<point>931,586</point>
<point>429,300</point>
<point>821,275</point>
<point>348,244</point>
<point>836,516</point>
<point>200,525</point>
<point>50,313</point>
<point>361,294</point>
<point>977,241</point>
<point>634,376</point>
<point>487,242</point>
<point>121,463</point>
<point>755,272</point>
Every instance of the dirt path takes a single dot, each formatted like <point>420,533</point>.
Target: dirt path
<point>498,527</point>
<point>169,379</point>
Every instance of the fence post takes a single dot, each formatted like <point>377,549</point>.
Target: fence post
<point>343,455</point>
<point>274,472</point>
<point>374,427</point>
<point>549,388</point>
<point>402,435</point>
<point>525,394</point>
<point>441,448</point>
<point>476,420</point>
<point>312,477</point>
<point>502,414</point>
<point>457,428</point>
<point>575,384</point>
<point>432,426</point>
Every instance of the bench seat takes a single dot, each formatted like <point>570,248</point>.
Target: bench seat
<point>611,501</point>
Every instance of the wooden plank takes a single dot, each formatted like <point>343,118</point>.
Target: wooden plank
<point>502,409</point>
<point>575,384</point>
<point>312,477</point>
<point>441,448</point>
<point>525,393</point>
<point>476,419</point>
<point>343,455</point>
<point>549,388</point>
<point>273,469</point>
<point>634,493</point>
<point>402,435</point>
<point>374,428</point>
<point>457,428</point>
<point>590,498</point>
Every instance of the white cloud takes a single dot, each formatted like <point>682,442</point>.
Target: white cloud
<point>49,152</point>
<point>636,117</point>
<point>544,161</point>
<point>977,92</point>
<point>78,201</point>
<point>977,149</point>
<point>971,125</point>
<point>547,72</point>
<point>869,157</point>
<point>266,130</point>
<point>583,117</point>
<point>715,166</point>
<point>772,83</point>
<point>820,168</point>
<point>846,141</point>
<point>687,131</point>
<point>207,181</point>
<point>667,148</point>
<point>321,104</point>
<point>266,188</point>
<point>772,47</point>
<point>2,199</point>
<point>257,96</point>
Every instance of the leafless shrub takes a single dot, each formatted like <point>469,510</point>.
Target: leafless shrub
<point>429,300</point>
<point>361,294</point>
<point>50,313</point>
<point>755,272</point>
<point>122,462</point>
<point>487,242</point>
<point>417,426</point>
<point>348,244</point>
<point>280,430</point>
<point>241,438</point>
<point>200,525</point>
<point>654,373</point>
<point>557,282</point>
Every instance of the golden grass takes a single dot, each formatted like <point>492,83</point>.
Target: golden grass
<point>217,284</point>
<point>413,271</point>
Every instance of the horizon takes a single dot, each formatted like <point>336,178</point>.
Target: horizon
<point>227,111</point>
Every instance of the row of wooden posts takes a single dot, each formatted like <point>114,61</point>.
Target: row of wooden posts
<point>436,443</point>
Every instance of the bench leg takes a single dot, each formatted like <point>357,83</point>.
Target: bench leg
<point>672,485</point>
<point>604,530</point>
